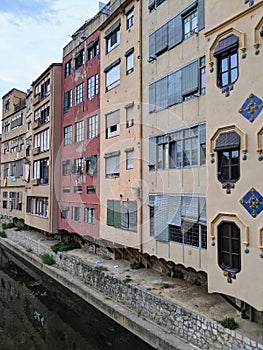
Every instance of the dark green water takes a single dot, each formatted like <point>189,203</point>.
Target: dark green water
<point>36,313</point>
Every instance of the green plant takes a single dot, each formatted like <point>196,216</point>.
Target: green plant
<point>126,280</point>
<point>2,234</point>
<point>137,265</point>
<point>29,249</point>
<point>64,245</point>
<point>229,322</point>
<point>6,225</point>
<point>47,259</point>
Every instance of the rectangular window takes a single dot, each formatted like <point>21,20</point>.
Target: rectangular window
<point>78,189</point>
<point>42,114</point>
<point>129,61</point>
<point>89,215</point>
<point>114,213</point>
<point>66,167</point>
<point>92,127</point>
<point>112,75</point>
<point>129,19</point>
<point>41,142</point>
<point>91,189</point>
<point>112,164</point>
<point>68,68</point>
<point>113,124</point>
<point>41,171</point>
<point>112,36</point>
<point>91,165</point>
<point>68,135</point>
<point>64,211</point>
<point>93,49</point>
<point>129,115</point>
<point>79,131</point>
<point>129,158</point>
<point>129,215</point>
<point>67,100</point>
<point>93,86</point>
<point>190,24</point>
<point>79,93</point>
<point>66,189</point>
<point>78,166</point>
<point>75,213</point>
<point>79,59</point>
<point>37,206</point>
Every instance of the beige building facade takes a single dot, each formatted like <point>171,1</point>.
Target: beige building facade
<point>234,150</point>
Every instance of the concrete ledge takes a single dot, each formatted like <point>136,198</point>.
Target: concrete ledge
<point>156,336</point>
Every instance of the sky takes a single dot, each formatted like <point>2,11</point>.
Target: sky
<point>33,34</point>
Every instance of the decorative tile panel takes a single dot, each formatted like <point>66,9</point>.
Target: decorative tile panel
<point>253,202</point>
<point>251,107</point>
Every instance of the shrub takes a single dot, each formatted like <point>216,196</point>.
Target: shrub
<point>64,245</point>
<point>7,225</point>
<point>47,259</point>
<point>229,323</point>
<point>29,249</point>
<point>126,280</point>
<point>137,265</point>
<point>2,234</point>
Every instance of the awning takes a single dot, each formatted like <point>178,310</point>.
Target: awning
<point>226,44</point>
<point>227,140</point>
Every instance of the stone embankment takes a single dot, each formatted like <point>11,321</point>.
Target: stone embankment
<point>157,320</point>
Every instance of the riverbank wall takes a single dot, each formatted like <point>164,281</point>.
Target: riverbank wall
<point>158,321</point>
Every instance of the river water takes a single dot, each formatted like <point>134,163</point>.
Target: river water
<point>36,313</point>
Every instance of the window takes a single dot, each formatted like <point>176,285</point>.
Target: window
<point>93,49</point>
<point>79,91</point>
<point>7,106</point>
<point>89,215</point>
<point>44,88</point>
<point>79,131</point>
<point>79,59</point>
<point>68,68</point>
<point>78,166</point>
<point>68,135</point>
<point>112,164</point>
<point>66,189</point>
<point>64,210</point>
<point>113,124</point>
<point>42,114</point>
<point>78,189</point>
<point>91,165</point>
<point>75,213</point>
<point>41,168</point>
<point>154,3</point>
<point>67,100</point>
<point>129,61</point>
<point>226,53</point>
<point>6,126</point>
<point>129,115</point>
<point>92,127</point>
<point>185,83</point>
<point>129,18</point>
<point>112,36</point>
<point>17,121</point>
<point>37,206</point>
<point>129,158</point>
<point>93,86</point>
<point>112,75</point>
<point>122,214</point>
<point>179,149</point>
<point>41,141</point>
<point>66,167</point>
<point>228,155</point>
<point>190,24</point>
<point>91,189</point>
<point>183,25</point>
<point>229,252</point>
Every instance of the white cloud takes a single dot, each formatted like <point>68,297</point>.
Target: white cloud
<point>33,40</point>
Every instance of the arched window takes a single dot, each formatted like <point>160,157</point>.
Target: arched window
<point>226,53</point>
<point>228,151</point>
<point>229,258</point>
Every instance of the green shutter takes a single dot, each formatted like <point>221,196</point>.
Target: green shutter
<point>66,101</point>
<point>117,214</point>
<point>110,212</point>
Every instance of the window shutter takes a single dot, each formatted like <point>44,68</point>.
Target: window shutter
<point>113,119</point>
<point>152,152</point>
<point>175,32</point>
<point>190,208</point>
<point>92,166</point>
<point>201,15</point>
<point>162,93</point>
<point>202,210</point>
<point>152,102</point>
<point>202,134</point>
<point>110,212</point>
<point>151,4</point>
<point>161,39</point>
<point>124,215</point>
<point>227,140</point>
<point>175,88</point>
<point>117,214</point>
<point>174,210</point>
<point>160,218</point>
<point>190,78</point>
<point>152,46</point>
<point>132,208</point>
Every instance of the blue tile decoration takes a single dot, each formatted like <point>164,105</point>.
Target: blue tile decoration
<point>228,187</point>
<point>251,107</point>
<point>230,276</point>
<point>253,202</point>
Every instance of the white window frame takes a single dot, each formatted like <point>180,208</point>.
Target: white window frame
<point>92,127</point>
<point>93,86</point>
<point>79,93</point>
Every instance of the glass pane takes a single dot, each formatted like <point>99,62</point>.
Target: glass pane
<point>235,262</point>
<point>235,156</point>
<point>225,244</point>
<point>194,151</point>
<point>225,79</point>
<point>225,259</point>
<point>233,75</point>
<point>187,152</point>
<point>235,172</point>
<point>233,60</point>
<point>235,246</point>
<point>224,65</point>
<point>235,232</point>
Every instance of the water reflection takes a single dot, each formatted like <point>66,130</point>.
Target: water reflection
<point>37,313</point>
